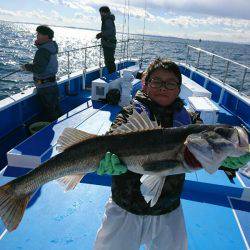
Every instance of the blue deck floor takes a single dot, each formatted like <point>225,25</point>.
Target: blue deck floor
<point>58,220</point>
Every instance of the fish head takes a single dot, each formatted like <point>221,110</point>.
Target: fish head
<point>218,143</point>
<point>238,136</point>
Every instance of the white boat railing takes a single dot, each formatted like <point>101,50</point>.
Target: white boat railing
<point>227,61</point>
<point>82,55</point>
<point>126,49</point>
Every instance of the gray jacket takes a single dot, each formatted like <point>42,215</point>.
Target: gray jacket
<point>45,62</point>
<point>108,34</point>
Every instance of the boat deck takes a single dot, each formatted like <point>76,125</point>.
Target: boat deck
<point>216,215</point>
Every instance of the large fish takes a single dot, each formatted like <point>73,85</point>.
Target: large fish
<point>141,144</point>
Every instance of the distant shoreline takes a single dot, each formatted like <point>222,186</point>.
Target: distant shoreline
<point>146,35</point>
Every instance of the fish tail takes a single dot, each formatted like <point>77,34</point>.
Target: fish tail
<point>12,207</point>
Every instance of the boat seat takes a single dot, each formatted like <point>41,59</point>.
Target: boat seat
<point>191,88</point>
<point>92,117</point>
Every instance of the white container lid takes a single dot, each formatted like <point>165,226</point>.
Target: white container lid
<point>202,104</point>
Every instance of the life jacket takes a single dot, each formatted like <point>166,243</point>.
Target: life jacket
<point>180,117</point>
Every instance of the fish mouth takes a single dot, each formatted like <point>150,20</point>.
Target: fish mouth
<point>243,138</point>
<point>237,135</point>
<point>233,140</point>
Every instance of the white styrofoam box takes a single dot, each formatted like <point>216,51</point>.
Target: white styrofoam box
<point>115,84</point>
<point>205,107</point>
<point>132,70</point>
<point>191,88</point>
<point>99,89</point>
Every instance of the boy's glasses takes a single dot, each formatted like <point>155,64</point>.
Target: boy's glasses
<point>158,84</point>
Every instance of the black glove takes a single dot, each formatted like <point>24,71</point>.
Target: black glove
<point>99,35</point>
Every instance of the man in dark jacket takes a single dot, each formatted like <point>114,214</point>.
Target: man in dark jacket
<point>44,69</point>
<point>129,220</point>
<point>108,38</point>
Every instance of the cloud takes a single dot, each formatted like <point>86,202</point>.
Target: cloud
<point>220,8</point>
<point>24,14</point>
<point>187,21</point>
<point>75,4</point>
<point>6,13</point>
<point>238,9</point>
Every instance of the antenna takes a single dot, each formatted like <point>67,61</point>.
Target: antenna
<point>143,34</point>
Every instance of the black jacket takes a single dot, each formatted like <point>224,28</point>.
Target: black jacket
<point>108,31</point>
<point>45,62</point>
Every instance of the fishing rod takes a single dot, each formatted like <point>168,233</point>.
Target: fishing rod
<point>12,73</point>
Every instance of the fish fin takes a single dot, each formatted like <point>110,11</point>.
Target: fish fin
<point>137,122</point>
<point>158,166</point>
<point>151,187</point>
<point>70,181</point>
<point>71,136</point>
<point>12,207</point>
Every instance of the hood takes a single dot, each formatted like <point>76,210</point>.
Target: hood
<point>51,46</point>
<point>109,16</point>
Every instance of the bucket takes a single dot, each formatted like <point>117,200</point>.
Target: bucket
<point>35,127</point>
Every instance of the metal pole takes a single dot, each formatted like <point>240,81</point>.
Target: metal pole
<point>100,63</point>
<point>123,56</point>
<point>211,65</point>
<point>84,70</point>
<point>68,65</point>
<point>198,60</point>
<point>227,66</point>
<point>127,49</point>
<point>243,79</point>
<point>187,55</point>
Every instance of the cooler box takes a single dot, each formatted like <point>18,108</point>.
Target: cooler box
<point>205,107</point>
<point>99,89</point>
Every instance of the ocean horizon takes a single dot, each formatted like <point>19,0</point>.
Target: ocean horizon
<point>17,48</point>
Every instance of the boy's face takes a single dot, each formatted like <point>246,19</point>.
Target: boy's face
<point>163,96</point>
<point>40,38</point>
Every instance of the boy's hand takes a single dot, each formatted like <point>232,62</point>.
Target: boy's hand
<point>236,162</point>
<point>111,165</point>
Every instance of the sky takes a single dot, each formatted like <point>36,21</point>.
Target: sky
<point>217,20</point>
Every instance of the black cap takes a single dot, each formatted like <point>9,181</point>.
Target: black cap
<point>104,9</point>
<point>45,30</point>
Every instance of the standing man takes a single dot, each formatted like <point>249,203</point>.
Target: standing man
<point>108,38</point>
<point>44,69</point>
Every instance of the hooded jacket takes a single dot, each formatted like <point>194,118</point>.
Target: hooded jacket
<point>45,62</point>
<point>108,31</point>
<point>126,187</point>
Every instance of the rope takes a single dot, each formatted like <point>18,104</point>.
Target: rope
<point>143,34</point>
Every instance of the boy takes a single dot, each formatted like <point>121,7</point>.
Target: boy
<point>129,221</point>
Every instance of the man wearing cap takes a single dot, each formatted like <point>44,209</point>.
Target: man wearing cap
<point>108,38</point>
<point>44,69</point>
